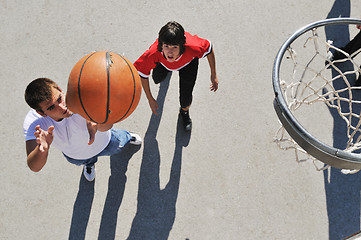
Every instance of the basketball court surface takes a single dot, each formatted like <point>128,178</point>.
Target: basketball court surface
<point>227,179</point>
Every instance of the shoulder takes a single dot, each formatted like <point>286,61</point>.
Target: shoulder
<point>32,115</point>
<point>194,40</point>
<point>147,60</point>
<point>32,119</point>
<point>199,47</point>
<point>152,50</point>
<point>150,54</point>
<point>196,43</point>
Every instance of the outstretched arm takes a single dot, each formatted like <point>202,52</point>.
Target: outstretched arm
<point>37,150</point>
<point>152,102</point>
<point>212,64</point>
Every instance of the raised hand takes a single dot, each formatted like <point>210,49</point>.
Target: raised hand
<point>44,138</point>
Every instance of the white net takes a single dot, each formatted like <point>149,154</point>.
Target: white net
<point>322,92</point>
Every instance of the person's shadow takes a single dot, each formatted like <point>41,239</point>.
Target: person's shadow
<point>342,191</point>
<point>116,187</point>
<point>156,208</point>
<point>118,164</point>
<point>81,209</point>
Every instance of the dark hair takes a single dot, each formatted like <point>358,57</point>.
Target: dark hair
<point>39,90</point>
<point>172,34</point>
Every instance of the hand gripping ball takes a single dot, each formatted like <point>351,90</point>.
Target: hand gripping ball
<point>103,87</point>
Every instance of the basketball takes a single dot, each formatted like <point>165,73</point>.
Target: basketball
<point>103,87</point>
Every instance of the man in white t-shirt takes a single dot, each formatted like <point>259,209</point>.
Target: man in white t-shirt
<point>50,122</point>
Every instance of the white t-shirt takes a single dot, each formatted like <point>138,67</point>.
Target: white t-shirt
<point>71,135</point>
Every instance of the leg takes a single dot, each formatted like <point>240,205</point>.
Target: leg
<point>89,168</point>
<point>351,47</point>
<point>118,140</point>
<point>159,73</point>
<point>187,80</point>
<point>88,162</point>
<point>354,44</point>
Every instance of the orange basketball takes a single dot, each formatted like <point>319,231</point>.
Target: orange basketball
<point>103,87</point>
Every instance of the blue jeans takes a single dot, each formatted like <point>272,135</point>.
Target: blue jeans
<point>119,138</point>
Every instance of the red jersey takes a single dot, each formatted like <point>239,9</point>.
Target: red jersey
<point>195,47</point>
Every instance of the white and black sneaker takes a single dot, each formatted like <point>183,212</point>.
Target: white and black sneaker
<point>135,139</point>
<point>89,173</point>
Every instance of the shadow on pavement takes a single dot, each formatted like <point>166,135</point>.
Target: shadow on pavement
<point>342,191</point>
<point>156,209</point>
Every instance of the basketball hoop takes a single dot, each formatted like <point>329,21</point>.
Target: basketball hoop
<point>322,84</point>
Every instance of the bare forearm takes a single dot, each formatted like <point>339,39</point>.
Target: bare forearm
<point>212,62</point>
<point>152,102</point>
<point>37,159</point>
<point>146,87</point>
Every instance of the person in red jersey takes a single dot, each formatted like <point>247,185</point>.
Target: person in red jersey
<point>176,50</point>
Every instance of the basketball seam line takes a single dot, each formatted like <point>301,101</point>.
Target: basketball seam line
<point>81,102</point>
<point>131,104</point>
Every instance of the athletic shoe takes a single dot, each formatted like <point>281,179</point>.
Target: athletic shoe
<point>135,139</point>
<point>187,121</point>
<point>89,173</point>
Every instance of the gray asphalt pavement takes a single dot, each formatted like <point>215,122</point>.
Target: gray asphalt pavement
<point>225,180</point>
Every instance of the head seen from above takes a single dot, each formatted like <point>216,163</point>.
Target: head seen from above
<point>171,41</point>
<point>45,96</point>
